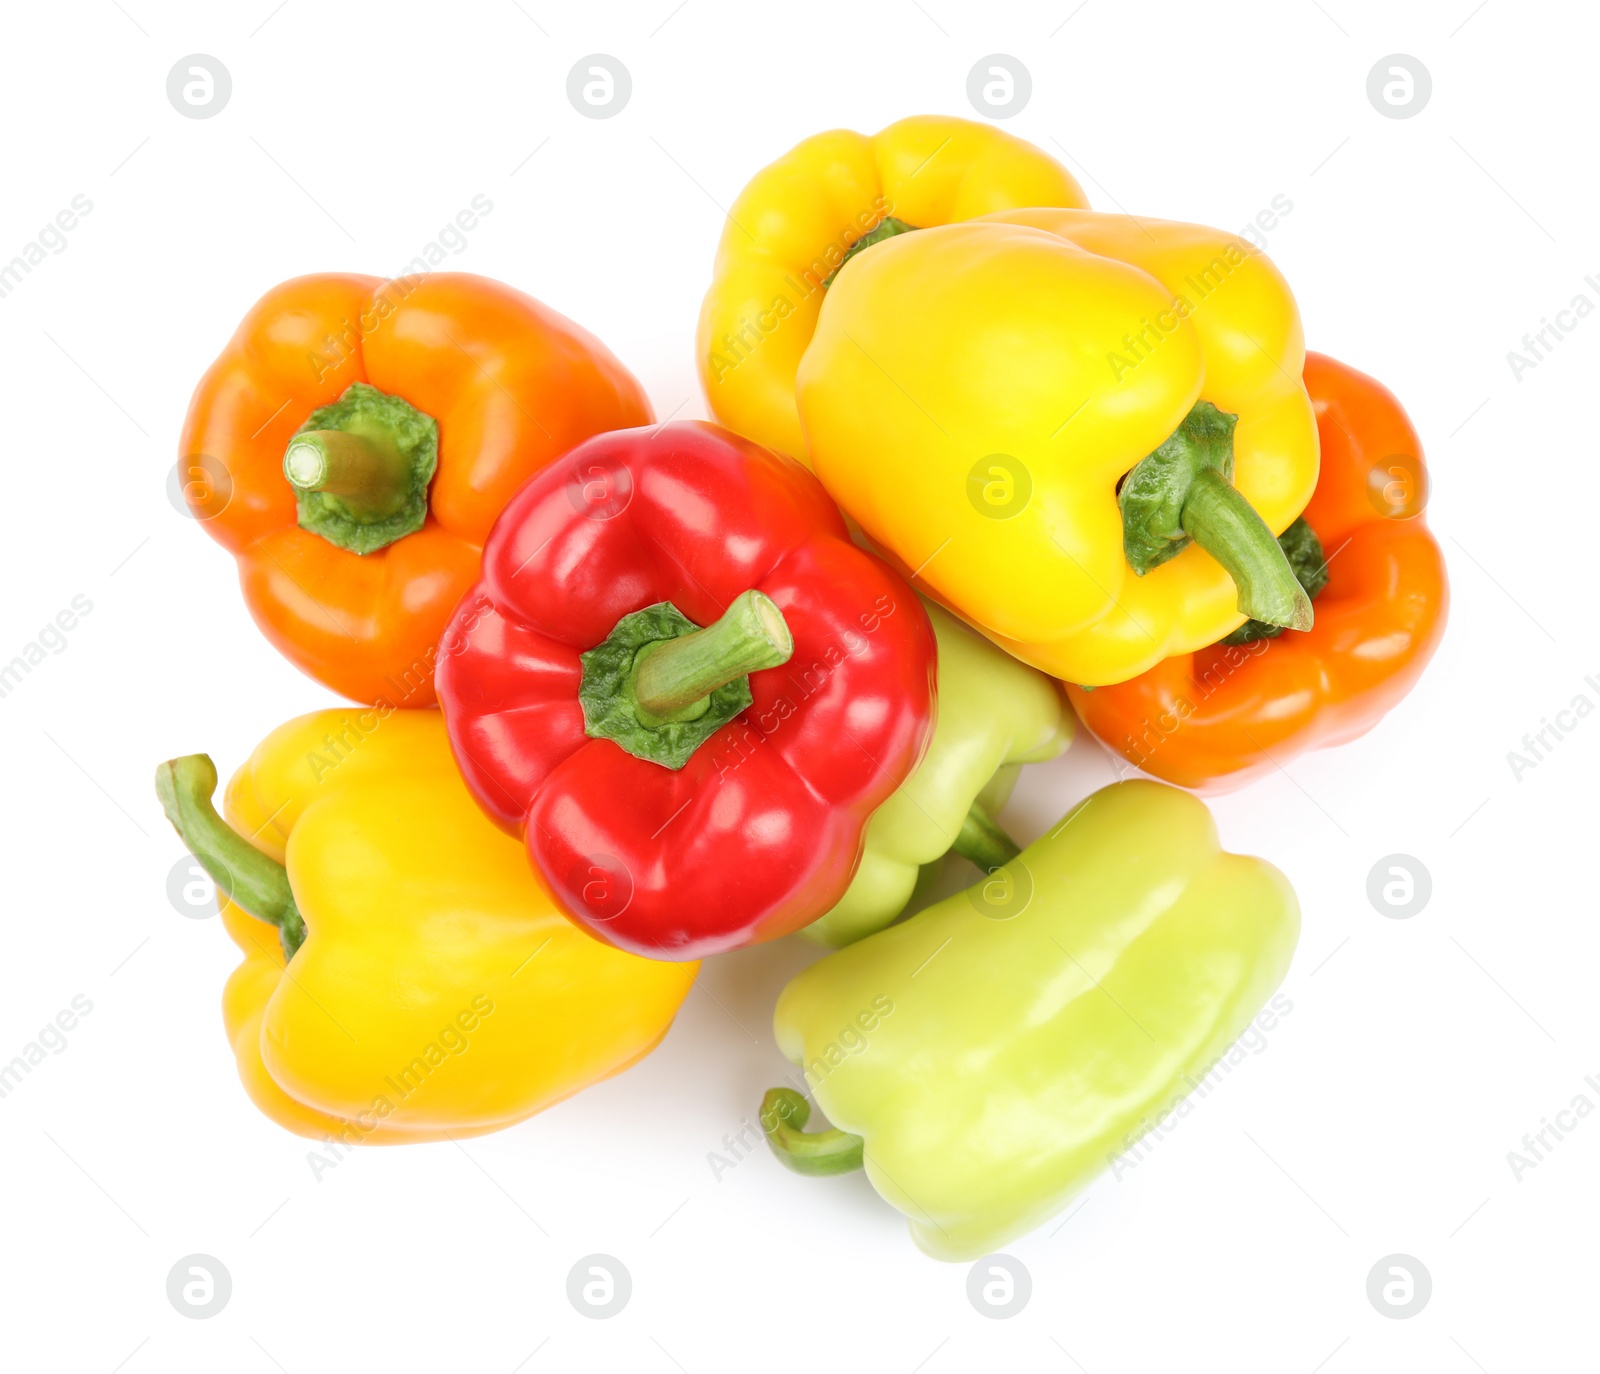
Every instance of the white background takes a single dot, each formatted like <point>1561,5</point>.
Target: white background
<point>1418,1052</point>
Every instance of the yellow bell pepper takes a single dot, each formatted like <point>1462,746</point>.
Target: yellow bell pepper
<point>405,976</point>
<point>1079,431</point>
<point>799,219</point>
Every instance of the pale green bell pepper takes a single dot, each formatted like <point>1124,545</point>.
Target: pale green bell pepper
<point>989,1056</point>
<point>994,715</point>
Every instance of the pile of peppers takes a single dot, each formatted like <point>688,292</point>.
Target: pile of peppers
<point>625,696</point>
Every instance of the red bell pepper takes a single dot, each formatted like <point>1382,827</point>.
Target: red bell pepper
<point>683,790</point>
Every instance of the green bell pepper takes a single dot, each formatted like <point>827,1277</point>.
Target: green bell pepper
<point>987,1057</point>
<point>995,714</point>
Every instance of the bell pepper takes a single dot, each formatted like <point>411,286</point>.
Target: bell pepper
<point>1080,432</point>
<point>1223,715</point>
<point>686,688</point>
<point>989,1056</point>
<point>995,715</point>
<point>405,978</point>
<point>801,218</point>
<point>356,440</point>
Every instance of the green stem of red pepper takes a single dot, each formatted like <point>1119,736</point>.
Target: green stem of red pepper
<point>784,1114</point>
<point>659,686</point>
<point>250,879</point>
<point>673,679</point>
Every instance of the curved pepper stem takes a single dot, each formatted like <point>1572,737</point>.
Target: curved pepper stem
<point>250,879</point>
<point>360,469</point>
<point>983,842</point>
<point>817,1154</point>
<point>673,679</point>
<point>659,686</point>
<point>1184,491</point>
<point>1303,549</point>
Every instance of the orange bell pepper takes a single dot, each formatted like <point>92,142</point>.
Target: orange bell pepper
<point>1217,718</point>
<point>357,438</point>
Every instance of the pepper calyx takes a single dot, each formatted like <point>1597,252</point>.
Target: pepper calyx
<point>360,469</point>
<point>885,228</point>
<point>659,685</point>
<point>1303,549</point>
<point>1182,493</point>
<point>250,879</point>
<point>817,1154</point>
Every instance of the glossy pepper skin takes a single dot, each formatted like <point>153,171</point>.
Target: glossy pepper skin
<point>974,395</point>
<point>438,992</point>
<point>1222,716</point>
<point>792,226</point>
<point>757,830</point>
<point>990,1055</point>
<point>510,385</point>
<point>995,715</point>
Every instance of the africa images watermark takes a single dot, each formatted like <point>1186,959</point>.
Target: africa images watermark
<point>850,1042</point>
<point>453,1040</point>
<point>1539,345</point>
<point>51,239</point>
<point>417,676</point>
<point>1138,1145</point>
<point>341,348</point>
<point>1538,745</point>
<point>807,680</point>
<point>336,748</point>
<point>1211,278</point>
<point>52,637</point>
<point>1537,1145</point>
<point>1156,732</point>
<point>52,1036</point>
<point>739,346</point>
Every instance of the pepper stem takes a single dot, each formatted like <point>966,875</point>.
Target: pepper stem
<point>1303,549</point>
<point>248,877</point>
<point>1227,527</point>
<point>360,468</point>
<point>784,1114</point>
<point>1184,491</point>
<point>673,679</point>
<point>983,842</point>
<point>369,475</point>
<point>885,228</point>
